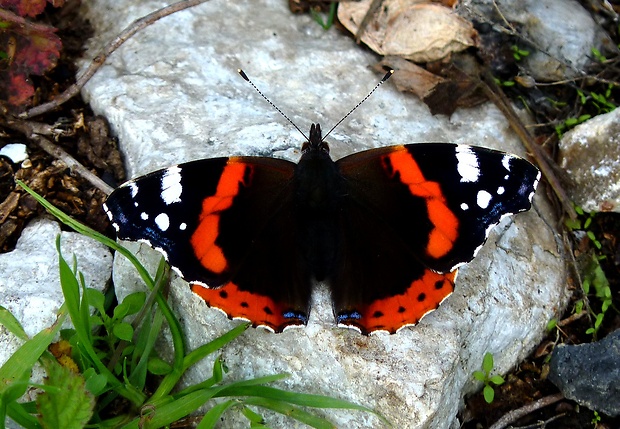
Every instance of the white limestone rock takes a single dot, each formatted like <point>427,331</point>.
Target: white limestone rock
<point>172,94</point>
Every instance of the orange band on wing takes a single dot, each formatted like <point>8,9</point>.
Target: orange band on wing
<point>445,231</point>
<point>259,309</point>
<point>421,297</point>
<point>203,240</point>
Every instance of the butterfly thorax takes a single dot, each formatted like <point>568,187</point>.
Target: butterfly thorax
<point>317,204</point>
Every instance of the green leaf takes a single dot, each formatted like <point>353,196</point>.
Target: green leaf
<point>487,362</point>
<point>134,302</point>
<point>480,376</point>
<point>96,299</point>
<point>573,223</point>
<point>123,331</point>
<point>488,393</point>
<point>599,320</point>
<point>579,306</point>
<point>497,380</point>
<point>95,383</point>
<point>68,405</point>
<point>158,366</point>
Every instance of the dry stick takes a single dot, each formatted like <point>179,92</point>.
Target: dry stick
<point>98,61</point>
<point>514,415</point>
<point>570,319</point>
<point>57,152</point>
<point>497,96</point>
<point>29,129</point>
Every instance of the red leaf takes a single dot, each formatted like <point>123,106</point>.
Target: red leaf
<point>34,49</point>
<point>38,51</point>
<point>24,7</point>
<point>19,90</point>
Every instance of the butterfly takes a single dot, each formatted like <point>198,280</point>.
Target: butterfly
<point>385,228</point>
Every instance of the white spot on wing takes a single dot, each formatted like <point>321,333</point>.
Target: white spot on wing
<point>133,188</point>
<point>483,199</point>
<point>144,216</point>
<point>500,190</point>
<point>464,206</point>
<point>506,161</point>
<point>171,188</point>
<point>162,221</point>
<point>467,164</point>
<point>183,226</point>
<point>107,211</point>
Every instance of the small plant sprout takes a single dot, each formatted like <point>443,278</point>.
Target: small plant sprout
<point>485,377</point>
<point>330,16</point>
<point>598,56</point>
<point>518,53</point>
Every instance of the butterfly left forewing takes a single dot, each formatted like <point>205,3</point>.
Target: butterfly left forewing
<point>221,223</point>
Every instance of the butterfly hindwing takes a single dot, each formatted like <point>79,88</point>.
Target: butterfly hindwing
<point>222,223</point>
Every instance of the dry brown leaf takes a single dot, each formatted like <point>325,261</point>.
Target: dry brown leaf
<point>420,32</point>
<point>409,77</point>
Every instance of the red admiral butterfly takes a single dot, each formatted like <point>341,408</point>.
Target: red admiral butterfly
<point>387,228</point>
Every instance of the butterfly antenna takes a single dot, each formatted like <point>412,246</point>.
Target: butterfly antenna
<point>247,79</point>
<point>386,77</point>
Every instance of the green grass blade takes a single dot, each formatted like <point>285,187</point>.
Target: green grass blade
<point>12,324</point>
<point>301,399</point>
<point>212,417</point>
<point>214,345</point>
<point>19,413</point>
<point>291,411</point>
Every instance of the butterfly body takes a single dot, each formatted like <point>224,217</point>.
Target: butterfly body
<point>386,228</point>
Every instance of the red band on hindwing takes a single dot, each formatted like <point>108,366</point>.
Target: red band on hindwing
<point>446,225</point>
<point>259,309</point>
<point>392,313</point>
<point>204,238</point>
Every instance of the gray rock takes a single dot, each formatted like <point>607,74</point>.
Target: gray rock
<point>172,94</point>
<point>590,155</point>
<point>590,373</point>
<point>562,30</point>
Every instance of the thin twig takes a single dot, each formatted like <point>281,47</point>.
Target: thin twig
<point>515,415</point>
<point>570,319</point>
<point>542,423</point>
<point>98,61</point>
<point>29,130</point>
